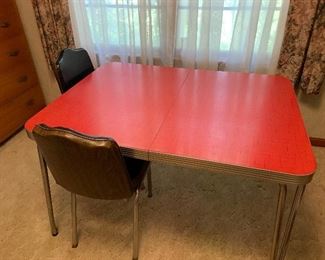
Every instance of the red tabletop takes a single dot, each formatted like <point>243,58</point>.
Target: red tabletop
<point>125,101</point>
<point>240,119</point>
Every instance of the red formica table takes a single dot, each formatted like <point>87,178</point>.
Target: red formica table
<point>235,123</point>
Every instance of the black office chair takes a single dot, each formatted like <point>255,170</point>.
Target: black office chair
<point>91,167</point>
<point>72,66</point>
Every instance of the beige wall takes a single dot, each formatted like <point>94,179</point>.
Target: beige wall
<point>46,77</point>
<point>312,107</point>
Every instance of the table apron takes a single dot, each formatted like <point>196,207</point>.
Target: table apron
<point>276,177</point>
<point>280,178</point>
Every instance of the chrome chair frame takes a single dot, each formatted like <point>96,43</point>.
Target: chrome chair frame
<point>54,230</point>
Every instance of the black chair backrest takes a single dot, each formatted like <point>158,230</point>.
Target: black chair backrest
<point>72,66</point>
<point>85,165</point>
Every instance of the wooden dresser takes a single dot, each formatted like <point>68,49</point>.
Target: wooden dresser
<point>20,93</point>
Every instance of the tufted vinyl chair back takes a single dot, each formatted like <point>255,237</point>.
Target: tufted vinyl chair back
<point>84,165</point>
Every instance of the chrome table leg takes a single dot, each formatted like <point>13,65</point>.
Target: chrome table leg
<point>47,192</point>
<point>278,219</point>
<point>149,182</point>
<point>74,220</point>
<point>292,215</point>
<point>136,226</point>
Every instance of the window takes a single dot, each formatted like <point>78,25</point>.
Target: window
<point>242,34</point>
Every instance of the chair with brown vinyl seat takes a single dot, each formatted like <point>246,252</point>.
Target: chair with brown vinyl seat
<point>72,66</point>
<point>91,167</point>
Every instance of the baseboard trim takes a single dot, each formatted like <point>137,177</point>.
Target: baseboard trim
<point>317,141</point>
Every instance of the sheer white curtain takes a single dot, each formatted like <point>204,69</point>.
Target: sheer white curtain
<point>237,35</point>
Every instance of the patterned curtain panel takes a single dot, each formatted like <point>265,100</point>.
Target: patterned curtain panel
<point>302,57</point>
<point>53,20</point>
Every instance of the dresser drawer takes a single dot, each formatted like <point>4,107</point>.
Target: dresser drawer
<point>13,52</point>
<point>10,24</point>
<point>16,81</point>
<point>14,114</point>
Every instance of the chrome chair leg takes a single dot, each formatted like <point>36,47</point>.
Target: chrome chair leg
<point>149,181</point>
<point>136,226</point>
<point>47,191</point>
<point>292,215</point>
<point>74,220</point>
<point>278,220</point>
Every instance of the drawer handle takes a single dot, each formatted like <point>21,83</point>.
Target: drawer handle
<point>22,79</point>
<point>4,24</point>
<point>13,53</point>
